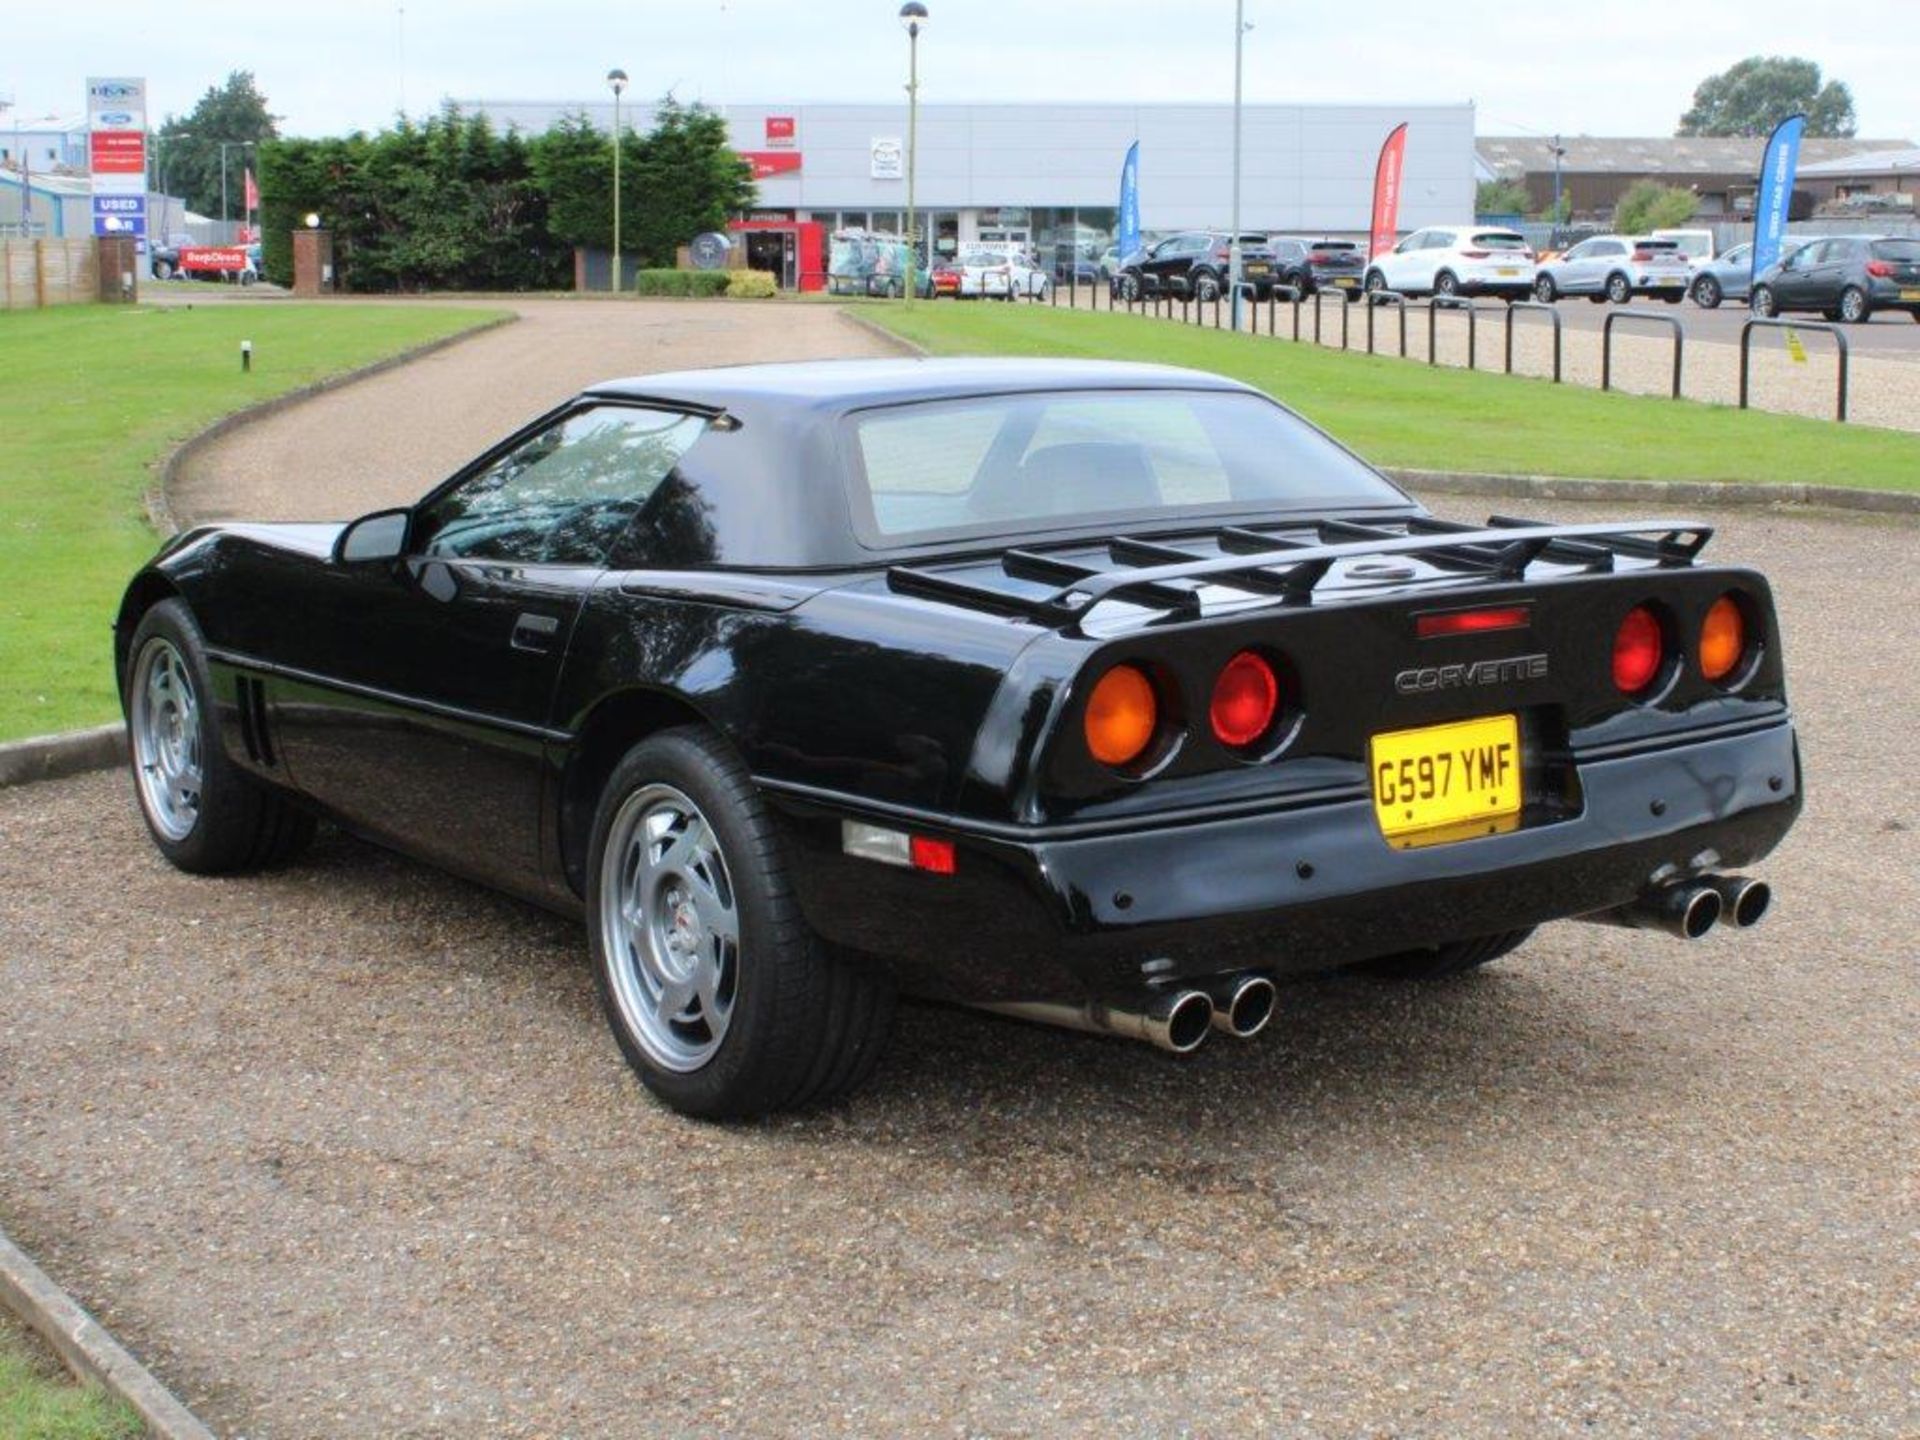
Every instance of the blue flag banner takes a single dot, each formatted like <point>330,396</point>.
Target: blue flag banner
<point>1128,240</point>
<point>1771,205</point>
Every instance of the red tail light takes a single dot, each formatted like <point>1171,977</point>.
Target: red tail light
<point>1640,257</point>
<point>1476,254</point>
<point>1880,268</point>
<point>1639,648</point>
<point>1245,697</point>
<point>1472,622</point>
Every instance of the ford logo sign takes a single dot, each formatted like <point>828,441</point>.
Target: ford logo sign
<point>116,117</point>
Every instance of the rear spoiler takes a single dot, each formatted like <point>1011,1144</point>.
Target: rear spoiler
<point>1157,575</point>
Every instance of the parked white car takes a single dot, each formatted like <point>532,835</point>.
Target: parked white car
<point>1696,245</point>
<point>1456,260</point>
<point>1616,268</point>
<point>988,272</point>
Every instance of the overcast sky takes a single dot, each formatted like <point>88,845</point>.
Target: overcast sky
<point>1541,66</point>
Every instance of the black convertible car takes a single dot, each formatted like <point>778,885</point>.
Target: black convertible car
<point>1100,694</point>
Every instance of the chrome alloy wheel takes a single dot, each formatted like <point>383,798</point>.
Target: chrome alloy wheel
<point>165,726</point>
<point>670,927</point>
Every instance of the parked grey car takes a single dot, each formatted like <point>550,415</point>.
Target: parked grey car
<point>1845,278</point>
<point>1616,268</point>
<point>1729,276</point>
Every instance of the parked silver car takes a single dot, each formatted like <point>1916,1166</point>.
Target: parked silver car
<point>1616,268</point>
<point>1730,275</point>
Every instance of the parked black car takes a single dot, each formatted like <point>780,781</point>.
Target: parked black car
<point>1844,277</point>
<point>1195,264</point>
<point>1310,265</point>
<point>1105,695</point>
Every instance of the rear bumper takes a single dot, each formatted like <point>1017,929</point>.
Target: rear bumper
<point>1291,891</point>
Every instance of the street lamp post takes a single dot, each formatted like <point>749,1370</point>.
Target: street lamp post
<point>617,81</point>
<point>1558,151</point>
<point>1233,241</point>
<point>913,15</point>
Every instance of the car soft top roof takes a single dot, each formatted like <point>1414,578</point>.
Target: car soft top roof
<point>837,386</point>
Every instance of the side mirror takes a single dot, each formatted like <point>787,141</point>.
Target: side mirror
<point>379,536</point>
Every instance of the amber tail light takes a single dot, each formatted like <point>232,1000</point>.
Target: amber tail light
<point>1122,716</point>
<point>1723,639</point>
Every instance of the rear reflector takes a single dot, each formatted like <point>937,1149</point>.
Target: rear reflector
<point>1473,622</point>
<point>897,847</point>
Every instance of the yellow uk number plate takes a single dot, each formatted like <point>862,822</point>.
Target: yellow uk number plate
<point>1910,294</point>
<point>1447,782</point>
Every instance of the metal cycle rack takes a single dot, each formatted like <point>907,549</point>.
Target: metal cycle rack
<point>1373,300</point>
<point>1769,323</point>
<point>1345,321</point>
<point>1606,344</point>
<point>1553,313</point>
<point>1273,301</point>
<point>1452,302</point>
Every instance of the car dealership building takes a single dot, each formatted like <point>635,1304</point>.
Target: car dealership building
<point>1049,175</point>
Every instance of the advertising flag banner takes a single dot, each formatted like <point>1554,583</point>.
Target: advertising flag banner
<point>1386,191</point>
<point>1128,239</point>
<point>252,192</point>
<point>1771,205</point>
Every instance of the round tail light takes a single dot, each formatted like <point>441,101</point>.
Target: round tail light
<point>1639,647</point>
<point>1723,638</point>
<point>1122,715</point>
<point>1245,696</point>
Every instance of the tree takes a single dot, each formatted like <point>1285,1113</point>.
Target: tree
<point>1501,197</point>
<point>189,145</point>
<point>1649,205</point>
<point>689,181</point>
<point>1758,93</point>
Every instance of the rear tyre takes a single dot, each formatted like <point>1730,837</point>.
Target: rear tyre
<point>205,813</point>
<point>1619,289</point>
<point>1853,305</point>
<point>1545,291</point>
<point>1206,287</point>
<point>1707,293</point>
<point>721,998</point>
<point>1441,961</point>
<point>1446,283</point>
<point>1763,304</point>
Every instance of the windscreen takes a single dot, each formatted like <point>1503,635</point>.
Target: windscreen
<point>1008,464</point>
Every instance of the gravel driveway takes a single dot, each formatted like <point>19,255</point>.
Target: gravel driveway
<point>347,1151</point>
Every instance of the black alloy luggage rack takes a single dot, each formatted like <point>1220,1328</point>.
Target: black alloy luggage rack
<point>1149,573</point>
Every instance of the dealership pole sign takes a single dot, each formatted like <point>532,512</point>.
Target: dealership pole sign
<point>1128,239</point>
<point>1386,191</point>
<point>1774,203</point>
<point>117,154</point>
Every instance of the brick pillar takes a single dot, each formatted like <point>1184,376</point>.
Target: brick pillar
<point>312,263</point>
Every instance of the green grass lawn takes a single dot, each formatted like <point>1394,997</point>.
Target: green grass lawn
<point>94,397</point>
<point>1398,413</point>
<point>40,1401</point>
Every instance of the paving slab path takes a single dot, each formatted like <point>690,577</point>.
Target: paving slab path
<point>387,440</point>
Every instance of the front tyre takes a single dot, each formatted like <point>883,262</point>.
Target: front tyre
<point>720,996</point>
<point>1545,291</point>
<point>1453,958</point>
<point>205,813</point>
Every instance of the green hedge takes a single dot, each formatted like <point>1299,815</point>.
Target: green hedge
<point>701,284</point>
<point>751,285</point>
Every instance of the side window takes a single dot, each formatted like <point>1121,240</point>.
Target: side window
<point>1411,243</point>
<point>1580,251</point>
<point>564,496</point>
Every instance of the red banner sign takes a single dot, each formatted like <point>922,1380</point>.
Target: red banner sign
<point>1386,191</point>
<point>117,152</point>
<point>771,162</point>
<point>219,258</point>
<point>780,130</point>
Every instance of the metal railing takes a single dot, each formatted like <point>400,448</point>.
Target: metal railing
<point>1552,312</point>
<point>1319,295</point>
<point>1759,322</point>
<point>1606,344</point>
<point>1452,302</point>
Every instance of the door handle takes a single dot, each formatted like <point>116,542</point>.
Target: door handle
<point>535,632</point>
